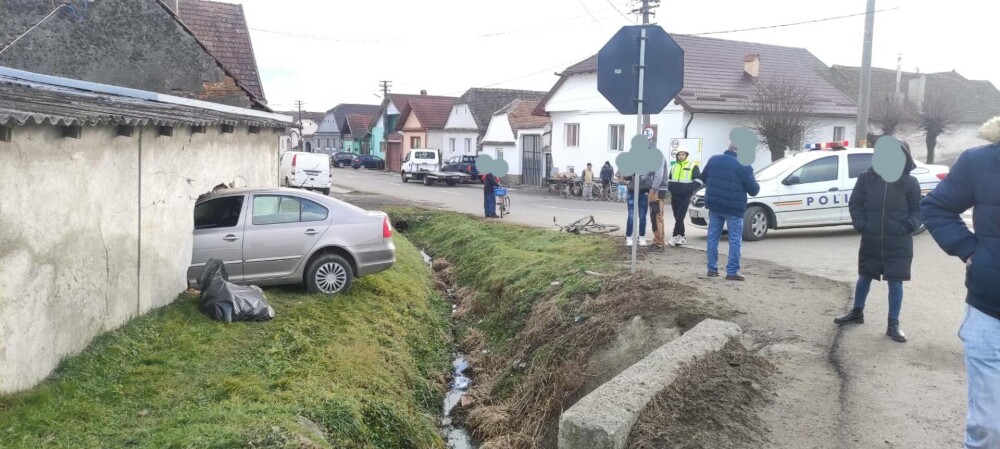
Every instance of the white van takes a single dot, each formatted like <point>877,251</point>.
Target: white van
<point>310,171</point>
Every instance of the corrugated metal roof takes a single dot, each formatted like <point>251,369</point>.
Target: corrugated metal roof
<point>30,101</point>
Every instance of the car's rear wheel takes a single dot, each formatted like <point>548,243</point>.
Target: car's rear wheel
<point>754,224</point>
<point>329,274</point>
<point>428,181</point>
<point>325,191</point>
<point>340,165</point>
<point>402,174</point>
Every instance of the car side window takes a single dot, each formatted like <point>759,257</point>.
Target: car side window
<point>273,209</point>
<point>858,164</point>
<point>820,170</point>
<point>218,213</point>
<point>313,212</point>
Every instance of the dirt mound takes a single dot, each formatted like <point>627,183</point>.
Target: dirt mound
<point>713,404</point>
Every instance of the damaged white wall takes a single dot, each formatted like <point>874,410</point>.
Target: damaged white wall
<point>69,233</point>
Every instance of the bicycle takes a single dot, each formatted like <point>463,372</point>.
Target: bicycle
<point>586,225</point>
<point>503,201</point>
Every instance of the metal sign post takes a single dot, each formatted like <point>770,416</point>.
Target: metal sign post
<point>639,100</point>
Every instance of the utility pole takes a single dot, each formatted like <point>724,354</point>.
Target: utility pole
<point>646,10</point>
<point>298,104</point>
<point>385,85</point>
<point>864,94</point>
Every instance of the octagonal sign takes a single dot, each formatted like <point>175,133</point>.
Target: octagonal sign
<point>618,70</point>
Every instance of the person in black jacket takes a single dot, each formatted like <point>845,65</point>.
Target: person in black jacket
<point>607,174</point>
<point>886,214</point>
<point>489,196</point>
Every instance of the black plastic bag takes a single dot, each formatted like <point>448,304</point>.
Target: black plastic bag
<point>228,302</point>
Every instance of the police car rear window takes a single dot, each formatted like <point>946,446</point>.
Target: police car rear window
<point>858,164</point>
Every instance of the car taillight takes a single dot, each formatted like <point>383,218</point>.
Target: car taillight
<point>295,158</point>
<point>941,176</point>
<point>468,168</point>
<point>386,229</point>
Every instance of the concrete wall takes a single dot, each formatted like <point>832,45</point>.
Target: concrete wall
<point>70,263</point>
<point>130,43</point>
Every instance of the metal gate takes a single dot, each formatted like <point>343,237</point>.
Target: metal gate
<point>532,166</point>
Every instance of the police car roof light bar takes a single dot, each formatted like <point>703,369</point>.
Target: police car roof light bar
<point>828,145</point>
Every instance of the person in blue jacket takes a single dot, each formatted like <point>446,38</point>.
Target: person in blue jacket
<point>490,182</point>
<point>974,183</point>
<point>727,184</point>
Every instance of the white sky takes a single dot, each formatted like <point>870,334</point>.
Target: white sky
<point>448,46</point>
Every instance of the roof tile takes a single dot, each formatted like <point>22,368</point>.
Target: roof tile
<point>222,28</point>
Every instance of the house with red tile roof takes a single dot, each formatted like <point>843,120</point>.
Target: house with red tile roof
<point>421,122</point>
<point>471,115</point>
<point>719,82</point>
<point>355,133</point>
<point>519,137</point>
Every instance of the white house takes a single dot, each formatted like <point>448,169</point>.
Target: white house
<point>300,133</point>
<point>518,137</point>
<point>471,115</point>
<point>974,103</point>
<point>719,79</point>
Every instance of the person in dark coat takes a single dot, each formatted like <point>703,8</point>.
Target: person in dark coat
<point>974,183</point>
<point>886,214</point>
<point>607,174</point>
<point>489,196</point>
<point>727,184</point>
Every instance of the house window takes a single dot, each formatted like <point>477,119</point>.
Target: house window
<point>451,144</point>
<point>468,145</point>
<point>838,133</point>
<point>499,154</point>
<point>572,135</point>
<point>616,137</point>
<point>414,142</point>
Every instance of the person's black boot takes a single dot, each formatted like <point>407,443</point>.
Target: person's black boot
<point>894,333</point>
<point>856,315</point>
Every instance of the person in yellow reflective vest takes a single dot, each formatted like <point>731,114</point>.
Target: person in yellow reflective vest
<point>683,182</point>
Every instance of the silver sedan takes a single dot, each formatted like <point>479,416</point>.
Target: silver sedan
<point>282,236</point>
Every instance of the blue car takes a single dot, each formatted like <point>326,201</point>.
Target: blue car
<point>368,161</point>
<point>465,164</point>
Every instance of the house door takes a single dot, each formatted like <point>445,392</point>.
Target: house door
<point>532,168</point>
<point>394,156</point>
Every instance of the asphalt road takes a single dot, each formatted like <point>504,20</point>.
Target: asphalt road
<point>908,395</point>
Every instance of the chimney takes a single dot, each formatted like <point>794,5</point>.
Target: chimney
<point>751,65</point>
<point>423,92</point>
<point>916,91</point>
<point>899,71</point>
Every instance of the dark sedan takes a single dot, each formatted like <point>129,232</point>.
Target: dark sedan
<point>343,159</point>
<point>464,164</point>
<point>368,161</point>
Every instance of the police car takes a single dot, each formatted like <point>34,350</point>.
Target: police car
<point>811,188</point>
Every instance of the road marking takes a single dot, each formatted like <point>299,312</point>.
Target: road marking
<point>395,184</point>
<point>449,193</point>
<point>568,208</point>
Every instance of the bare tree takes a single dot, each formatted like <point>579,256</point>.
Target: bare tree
<point>782,114</point>
<point>938,115</point>
<point>888,114</point>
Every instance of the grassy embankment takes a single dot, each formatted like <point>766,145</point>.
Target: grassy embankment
<point>366,367</point>
<point>530,316</point>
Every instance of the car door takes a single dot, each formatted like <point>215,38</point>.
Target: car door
<point>810,194</point>
<point>218,234</point>
<point>280,233</point>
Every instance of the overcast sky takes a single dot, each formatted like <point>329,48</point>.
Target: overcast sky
<point>329,52</point>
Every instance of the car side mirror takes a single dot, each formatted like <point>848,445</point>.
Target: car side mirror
<point>791,181</point>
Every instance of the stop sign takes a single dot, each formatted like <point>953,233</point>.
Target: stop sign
<point>618,70</point>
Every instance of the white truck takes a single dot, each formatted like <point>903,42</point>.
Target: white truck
<point>422,164</point>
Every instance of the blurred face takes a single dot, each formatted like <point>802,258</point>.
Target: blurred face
<point>681,157</point>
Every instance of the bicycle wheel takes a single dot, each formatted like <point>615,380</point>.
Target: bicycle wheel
<point>500,206</point>
<point>564,192</point>
<point>597,228</point>
<point>576,191</point>
<point>506,204</point>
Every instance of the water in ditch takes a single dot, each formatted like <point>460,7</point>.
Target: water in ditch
<point>456,437</point>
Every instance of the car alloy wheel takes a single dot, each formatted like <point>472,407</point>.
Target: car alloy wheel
<point>331,277</point>
<point>755,224</point>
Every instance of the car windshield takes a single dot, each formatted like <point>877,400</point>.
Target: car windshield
<point>776,168</point>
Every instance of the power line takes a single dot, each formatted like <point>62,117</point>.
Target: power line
<point>561,65</point>
<point>584,6</point>
<point>569,21</point>
<point>54,11</point>
<point>620,12</point>
<point>826,19</point>
<point>325,38</point>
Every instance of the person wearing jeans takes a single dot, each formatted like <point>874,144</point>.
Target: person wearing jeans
<point>973,182</point>
<point>646,183</point>
<point>886,213</point>
<point>735,224</point>
<point>727,184</point>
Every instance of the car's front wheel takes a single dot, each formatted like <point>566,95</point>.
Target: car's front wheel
<point>754,224</point>
<point>330,274</point>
